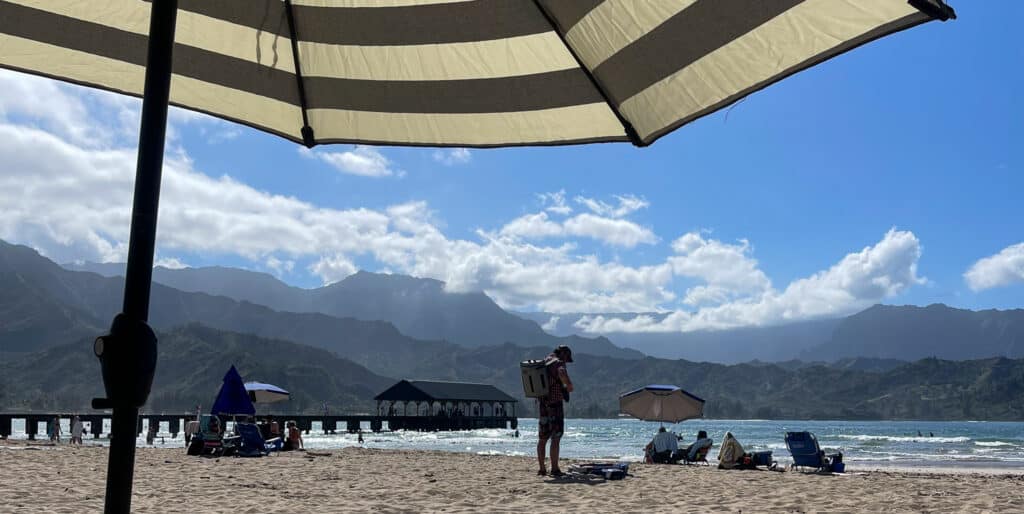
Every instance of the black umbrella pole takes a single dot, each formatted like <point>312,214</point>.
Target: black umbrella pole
<point>142,242</point>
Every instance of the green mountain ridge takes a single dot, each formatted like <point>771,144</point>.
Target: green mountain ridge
<point>191,366</point>
<point>418,307</point>
<point>194,358</point>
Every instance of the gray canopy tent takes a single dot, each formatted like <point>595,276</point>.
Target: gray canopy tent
<point>411,72</point>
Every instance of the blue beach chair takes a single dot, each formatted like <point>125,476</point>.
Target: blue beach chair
<point>803,446</point>
<point>253,444</point>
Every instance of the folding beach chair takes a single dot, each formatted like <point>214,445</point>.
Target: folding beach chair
<point>701,457</point>
<point>252,443</point>
<point>803,446</point>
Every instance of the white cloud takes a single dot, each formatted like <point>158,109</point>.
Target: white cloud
<point>614,232</point>
<point>555,202</point>
<point>278,266</point>
<point>453,156</point>
<point>855,282</point>
<point>364,161</point>
<point>170,263</point>
<point>627,204</point>
<point>332,269</point>
<point>728,270</point>
<point>551,324</point>
<point>1002,269</point>
<point>68,196</point>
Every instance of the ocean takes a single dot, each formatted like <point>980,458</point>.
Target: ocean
<point>953,444</point>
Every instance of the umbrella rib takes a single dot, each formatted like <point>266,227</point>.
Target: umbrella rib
<point>626,125</point>
<point>307,131</point>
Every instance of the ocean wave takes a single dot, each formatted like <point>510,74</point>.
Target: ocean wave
<point>993,443</point>
<point>904,439</point>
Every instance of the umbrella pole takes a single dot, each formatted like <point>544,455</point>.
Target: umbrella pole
<point>142,242</point>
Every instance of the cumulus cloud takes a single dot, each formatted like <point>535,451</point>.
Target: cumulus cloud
<point>364,161</point>
<point>614,232</point>
<point>453,156</point>
<point>626,205</point>
<point>332,269</point>
<point>858,280</point>
<point>1002,269</point>
<point>727,269</point>
<point>67,192</point>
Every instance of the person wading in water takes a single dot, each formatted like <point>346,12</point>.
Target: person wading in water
<point>551,410</point>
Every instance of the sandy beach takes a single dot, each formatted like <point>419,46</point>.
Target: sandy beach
<point>68,479</point>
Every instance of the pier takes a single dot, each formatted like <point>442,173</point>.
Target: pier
<point>37,424</point>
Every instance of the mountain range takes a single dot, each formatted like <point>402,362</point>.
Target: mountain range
<point>882,332</point>
<point>418,307</point>
<point>49,314</point>
<point>193,359</point>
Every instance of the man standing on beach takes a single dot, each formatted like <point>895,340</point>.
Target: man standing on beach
<point>551,411</point>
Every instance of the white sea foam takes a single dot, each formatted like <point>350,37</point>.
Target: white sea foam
<point>904,439</point>
<point>993,443</point>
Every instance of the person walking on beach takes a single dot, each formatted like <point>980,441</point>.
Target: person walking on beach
<point>76,430</point>
<point>55,430</point>
<point>551,411</point>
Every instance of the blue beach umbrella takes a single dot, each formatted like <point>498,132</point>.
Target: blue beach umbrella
<point>265,393</point>
<point>664,403</point>
<point>233,399</point>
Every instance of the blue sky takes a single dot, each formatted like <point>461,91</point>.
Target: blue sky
<point>918,132</point>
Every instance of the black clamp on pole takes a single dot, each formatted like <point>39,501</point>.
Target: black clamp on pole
<point>127,361</point>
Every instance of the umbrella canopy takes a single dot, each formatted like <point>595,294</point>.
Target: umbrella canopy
<point>233,399</point>
<point>437,72</point>
<point>265,393</point>
<point>665,403</point>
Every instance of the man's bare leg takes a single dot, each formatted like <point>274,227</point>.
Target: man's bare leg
<point>554,454</point>
<point>540,455</point>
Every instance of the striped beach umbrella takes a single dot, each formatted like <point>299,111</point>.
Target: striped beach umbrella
<point>411,72</point>
<point>443,72</point>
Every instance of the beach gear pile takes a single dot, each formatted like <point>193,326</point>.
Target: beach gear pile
<point>606,470</point>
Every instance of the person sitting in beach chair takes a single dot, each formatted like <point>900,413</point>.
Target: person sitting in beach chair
<point>663,447</point>
<point>210,439</point>
<point>253,444</point>
<point>294,441</point>
<point>696,452</point>
<point>803,446</point>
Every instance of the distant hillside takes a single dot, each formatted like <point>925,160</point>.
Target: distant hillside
<point>770,344</point>
<point>418,307</point>
<point>192,363</point>
<point>193,360</point>
<point>990,389</point>
<point>909,332</point>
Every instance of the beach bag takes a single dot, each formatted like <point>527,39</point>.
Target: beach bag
<point>762,458</point>
<point>535,378</point>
